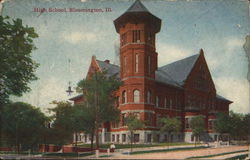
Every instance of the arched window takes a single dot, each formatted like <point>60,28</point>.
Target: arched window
<point>170,103</point>
<point>149,97</point>
<point>136,62</point>
<point>136,96</point>
<point>124,97</point>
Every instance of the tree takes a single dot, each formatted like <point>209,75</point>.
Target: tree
<point>16,66</point>
<point>63,124</point>
<point>222,123</point>
<point>23,125</point>
<point>237,127</point>
<point>133,123</point>
<point>169,125</point>
<point>197,125</point>
<point>99,93</point>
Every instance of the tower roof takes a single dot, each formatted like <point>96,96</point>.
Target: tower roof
<point>137,12</point>
<point>137,7</point>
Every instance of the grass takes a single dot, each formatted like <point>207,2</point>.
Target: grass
<point>220,154</point>
<point>22,152</point>
<point>121,146</point>
<point>169,150</point>
<point>67,154</point>
<point>240,157</point>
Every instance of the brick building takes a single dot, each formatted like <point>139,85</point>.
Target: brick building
<point>180,89</point>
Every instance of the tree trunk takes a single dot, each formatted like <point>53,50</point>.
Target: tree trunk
<point>92,139</point>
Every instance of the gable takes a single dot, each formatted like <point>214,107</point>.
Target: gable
<point>200,78</point>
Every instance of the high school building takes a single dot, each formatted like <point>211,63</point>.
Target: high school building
<point>182,89</point>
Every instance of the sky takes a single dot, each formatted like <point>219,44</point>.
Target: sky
<point>217,26</point>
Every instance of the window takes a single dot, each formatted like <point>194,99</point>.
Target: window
<point>210,124</point>
<point>123,39</point>
<point>136,62</point>
<point>117,101</point>
<point>113,138</point>
<point>136,137</point>
<point>149,119</point>
<point>136,96</point>
<point>149,97</point>
<point>157,101</point>
<point>123,119</point>
<point>123,137</point>
<point>136,36</point>
<point>157,138</point>
<point>125,64</point>
<point>124,97</point>
<point>187,123</point>
<point>118,138</point>
<point>165,102</point>
<point>149,64</point>
<point>170,103</point>
<point>149,138</point>
<point>150,37</point>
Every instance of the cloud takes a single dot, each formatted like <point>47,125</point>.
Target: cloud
<point>44,92</point>
<point>170,53</point>
<point>236,90</point>
<point>234,43</point>
<point>76,37</point>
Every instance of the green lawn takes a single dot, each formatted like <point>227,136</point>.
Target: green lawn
<point>241,157</point>
<point>214,155</point>
<point>120,146</point>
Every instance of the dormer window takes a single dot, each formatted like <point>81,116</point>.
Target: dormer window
<point>136,36</point>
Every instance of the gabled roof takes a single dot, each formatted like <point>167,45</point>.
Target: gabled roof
<point>137,7</point>
<point>173,74</point>
<point>179,70</point>
<point>111,69</point>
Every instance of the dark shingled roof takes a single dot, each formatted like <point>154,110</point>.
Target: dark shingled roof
<point>137,7</point>
<point>179,70</point>
<point>111,69</point>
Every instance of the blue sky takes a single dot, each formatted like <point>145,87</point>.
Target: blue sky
<point>219,27</point>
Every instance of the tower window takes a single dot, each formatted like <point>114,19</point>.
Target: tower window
<point>123,39</point>
<point>136,36</point>
<point>149,64</point>
<point>150,38</point>
<point>125,64</point>
<point>124,97</point>
<point>149,97</point>
<point>136,62</point>
<point>136,96</point>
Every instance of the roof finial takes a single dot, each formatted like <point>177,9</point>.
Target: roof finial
<point>201,51</point>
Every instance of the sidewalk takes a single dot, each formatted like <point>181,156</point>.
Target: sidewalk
<point>125,152</point>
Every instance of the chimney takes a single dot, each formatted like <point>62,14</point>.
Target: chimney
<point>107,61</point>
